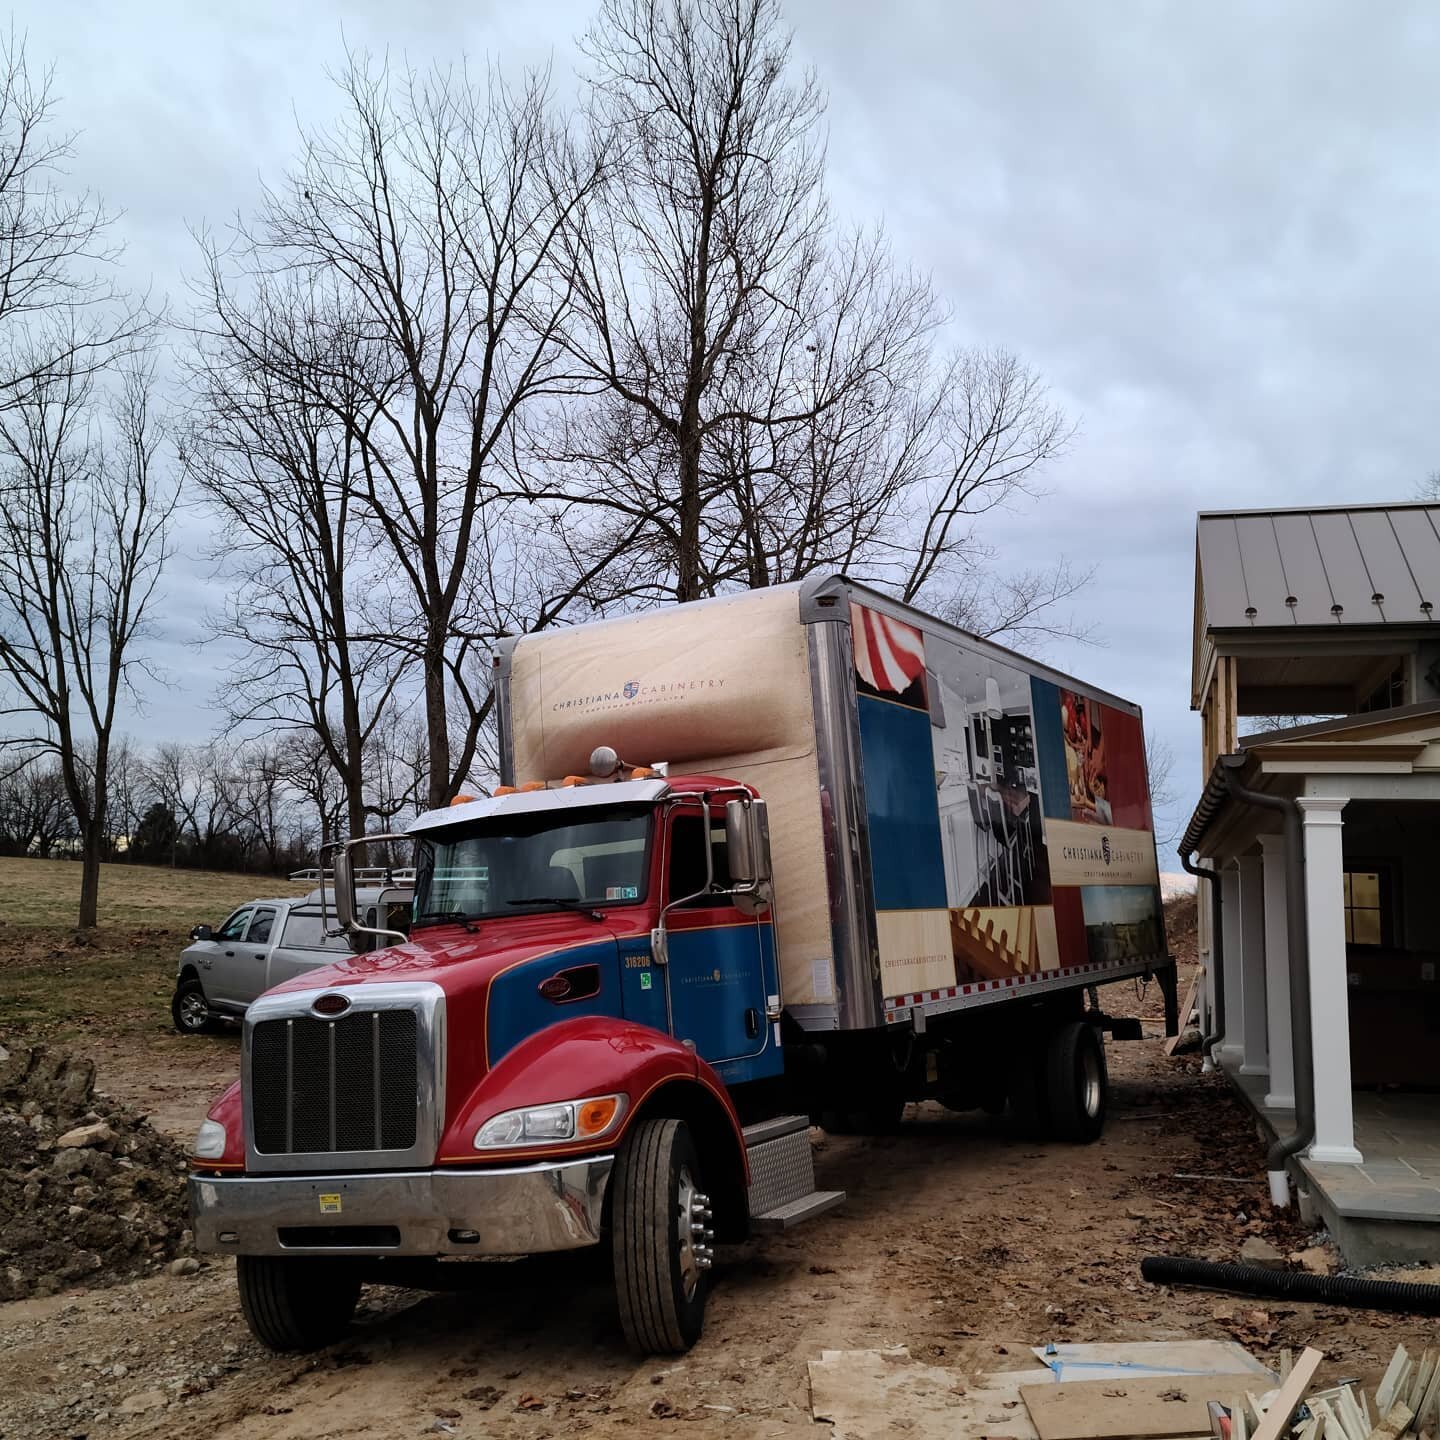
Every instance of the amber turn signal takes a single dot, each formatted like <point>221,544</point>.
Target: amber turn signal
<point>594,1117</point>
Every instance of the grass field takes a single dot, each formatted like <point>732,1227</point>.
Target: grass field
<point>58,985</point>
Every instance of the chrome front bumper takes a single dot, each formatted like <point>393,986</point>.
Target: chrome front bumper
<point>520,1211</point>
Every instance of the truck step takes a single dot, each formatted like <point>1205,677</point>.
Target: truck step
<point>807,1207</point>
<point>782,1174</point>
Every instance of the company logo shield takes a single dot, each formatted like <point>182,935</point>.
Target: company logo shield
<point>1105,847</point>
<point>632,689</point>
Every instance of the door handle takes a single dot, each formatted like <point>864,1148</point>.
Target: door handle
<point>752,1022</point>
<point>259,954</point>
<point>229,954</point>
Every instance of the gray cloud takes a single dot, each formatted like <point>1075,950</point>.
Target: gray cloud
<point>1211,228</point>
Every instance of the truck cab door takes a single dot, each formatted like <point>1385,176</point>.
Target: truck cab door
<point>722,973</point>
<point>253,955</point>
<point>223,969</point>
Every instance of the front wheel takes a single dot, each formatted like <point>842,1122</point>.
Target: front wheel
<point>189,1010</point>
<point>660,1238</point>
<point>296,1302</point>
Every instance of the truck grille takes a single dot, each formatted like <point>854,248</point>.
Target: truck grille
<point>325,1086</point>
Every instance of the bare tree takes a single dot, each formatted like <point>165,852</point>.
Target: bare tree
<point>54,248</point>
<point>276,449</point>
<point>708,224</point>
<point>1160,768</point>
<point>431,213</point>
<point>34,811</point>
<point>86,498</point>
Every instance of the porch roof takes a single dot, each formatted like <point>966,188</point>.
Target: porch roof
<point>1387,740</point>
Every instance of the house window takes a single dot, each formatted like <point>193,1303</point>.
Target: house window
<point>1364,910</point>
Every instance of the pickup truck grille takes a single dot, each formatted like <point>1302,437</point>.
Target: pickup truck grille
<point>327,1086</point>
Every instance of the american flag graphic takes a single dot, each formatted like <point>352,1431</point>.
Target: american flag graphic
<point>889,655</point>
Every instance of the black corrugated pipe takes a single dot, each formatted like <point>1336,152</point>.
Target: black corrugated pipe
<point>1301,1041</point>
<point>1392,1295</point>
<point>1217,953</point>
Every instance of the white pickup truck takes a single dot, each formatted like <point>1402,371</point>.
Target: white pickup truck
<point>265,942</point>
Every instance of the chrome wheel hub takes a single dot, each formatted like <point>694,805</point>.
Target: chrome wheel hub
<point>694,1234</point>
<point>1090,1084</point>
<point>193,1011</point>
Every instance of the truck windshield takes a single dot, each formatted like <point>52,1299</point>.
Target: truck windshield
<point>544,861</point>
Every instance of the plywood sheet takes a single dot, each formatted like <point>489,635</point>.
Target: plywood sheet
<point>1134,1359</point>
<point>1152,1408</point>
<point>876,1395</point>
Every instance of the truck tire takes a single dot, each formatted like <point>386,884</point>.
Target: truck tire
<point>188,1010</point>
<point>1077,1085</point>
<point>661,1264</point>
<point>296,1302</point>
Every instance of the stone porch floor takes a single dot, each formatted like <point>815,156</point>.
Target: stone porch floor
<point>1386,1210</point>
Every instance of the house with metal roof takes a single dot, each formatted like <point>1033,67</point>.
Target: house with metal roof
<point>1315,841</point>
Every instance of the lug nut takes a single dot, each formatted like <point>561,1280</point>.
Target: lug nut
<point>696,1228</point>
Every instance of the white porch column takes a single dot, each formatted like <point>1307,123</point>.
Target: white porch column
<point>1254,1038</point>
<point>1329,993</point>
<point>1232,1048</point>
<point>1281,1095</point>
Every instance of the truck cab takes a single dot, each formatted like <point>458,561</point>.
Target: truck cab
<point>586,1003</point>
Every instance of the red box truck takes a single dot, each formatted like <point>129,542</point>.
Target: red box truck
<point>792,856</point>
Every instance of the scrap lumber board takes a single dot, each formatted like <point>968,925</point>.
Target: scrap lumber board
<point>1130,1360</point>
<point>873,1394</point>
<point>1396,1422</point>
<point>1292,1392</point>
<point>1171,1041</point>
<point>1154,1407</point>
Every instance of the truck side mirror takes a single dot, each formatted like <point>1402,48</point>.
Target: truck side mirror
<point>202,932</point>
<point>747,842</point>
<point>660,945</point>
<point>344,890</point>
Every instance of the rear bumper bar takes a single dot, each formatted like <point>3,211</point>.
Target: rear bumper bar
<point>520,1211</point>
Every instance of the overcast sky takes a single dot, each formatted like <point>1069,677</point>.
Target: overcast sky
<point>1212,228</point>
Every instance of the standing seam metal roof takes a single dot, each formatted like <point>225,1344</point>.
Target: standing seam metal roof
<point>1352,565</point>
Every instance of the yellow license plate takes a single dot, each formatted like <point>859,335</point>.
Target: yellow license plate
<point>330,1205</point>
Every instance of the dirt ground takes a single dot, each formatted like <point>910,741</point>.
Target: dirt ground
<point>957,1241</point>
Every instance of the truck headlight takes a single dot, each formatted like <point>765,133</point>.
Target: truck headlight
<point>552,1124</point>
<point>210,1142</point>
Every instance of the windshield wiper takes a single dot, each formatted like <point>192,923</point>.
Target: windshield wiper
<point>455,917</point>
<point>580,906</point>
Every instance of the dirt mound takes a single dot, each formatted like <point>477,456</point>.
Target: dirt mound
<point>89,1193</point>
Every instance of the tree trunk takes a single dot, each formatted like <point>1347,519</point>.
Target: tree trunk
<point>687,561</point>
<point>92,838</point>
<point>437,724</point>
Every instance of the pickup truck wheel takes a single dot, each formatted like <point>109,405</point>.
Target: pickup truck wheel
<point>660,1238</point>
<point>189,1010</point>
<point>296,1302</point>
<point>1077,1083</point>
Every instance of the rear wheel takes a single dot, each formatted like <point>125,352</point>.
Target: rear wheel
<point>1077,1085</point>
<point>660,1238</point>
<point>190,1011</point>
<point>297,1302</point>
